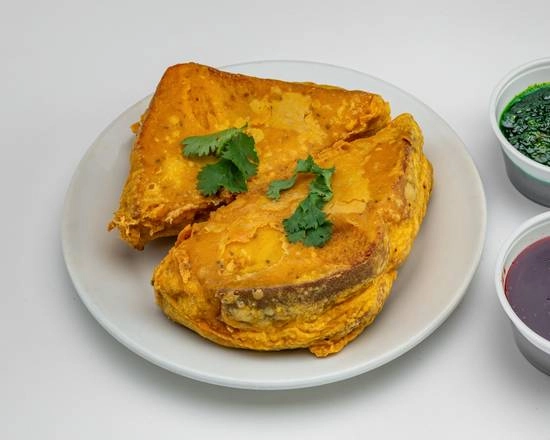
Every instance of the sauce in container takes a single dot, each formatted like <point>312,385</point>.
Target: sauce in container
<point>525,122</point>
<point>527,286</point>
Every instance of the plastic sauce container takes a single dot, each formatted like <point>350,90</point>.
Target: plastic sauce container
<point>523,248</point>
<point>531,178</point>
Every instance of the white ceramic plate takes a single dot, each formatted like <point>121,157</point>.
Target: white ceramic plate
<point>114,281</point>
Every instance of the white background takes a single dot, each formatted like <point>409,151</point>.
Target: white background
<point>69,68</point>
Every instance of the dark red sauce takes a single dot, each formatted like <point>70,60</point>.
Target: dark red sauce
<point>527,286</point>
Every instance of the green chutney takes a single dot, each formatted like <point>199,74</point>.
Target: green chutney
<point>525,122</point>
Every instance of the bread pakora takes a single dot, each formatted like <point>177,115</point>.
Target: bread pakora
<point>287,120</point>
<point>236,280</point>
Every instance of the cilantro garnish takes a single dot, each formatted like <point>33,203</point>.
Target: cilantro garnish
<point>210,143</point>
<point>223,173</point>
<point>308,224</point>
<point>238,160</point>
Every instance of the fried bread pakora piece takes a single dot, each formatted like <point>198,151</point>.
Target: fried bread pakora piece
<point>236,280</point>
<point>287,121</point>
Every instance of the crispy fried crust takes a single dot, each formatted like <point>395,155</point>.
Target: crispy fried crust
<point>287,121</point>
<point>236,280</point>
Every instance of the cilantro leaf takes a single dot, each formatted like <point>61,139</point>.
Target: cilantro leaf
<point>309,166</point>
<point>305,165</point>
<point>208,144</point>
<point>223,173</point>
<point>308,224</point>
<point>240,150</point>
<point>238,160</point>
<point>321,184</point>
<point>319,236</point>
<point>275,187</point>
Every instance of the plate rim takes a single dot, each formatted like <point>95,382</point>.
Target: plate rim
<point>279,384</point>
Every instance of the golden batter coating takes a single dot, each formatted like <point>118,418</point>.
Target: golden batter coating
<point>287,120</point>
<point>236,280</point>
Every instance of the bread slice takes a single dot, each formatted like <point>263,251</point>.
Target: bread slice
<point>287,121</point>
<point>236,280</point>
